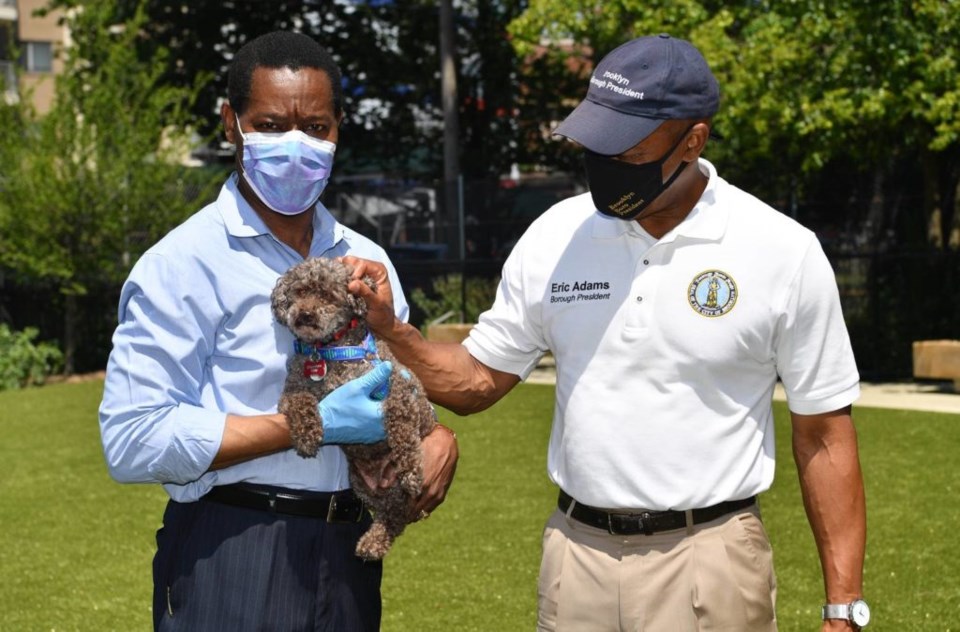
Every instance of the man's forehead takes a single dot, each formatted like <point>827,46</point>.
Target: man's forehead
<point>275,86</point>
<point>285,74</point>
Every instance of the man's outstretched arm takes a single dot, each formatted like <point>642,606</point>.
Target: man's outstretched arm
<point>453,378</point>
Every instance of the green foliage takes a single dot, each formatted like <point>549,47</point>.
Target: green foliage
<point>24,362</point>
<point>388,52</point>
<point>595,27</point>
<point>473,565</point>
<point>817,75</point>
<point>805,86</point>
<point>448,296</point>
<point>86,187</point>
<point>90,184</point>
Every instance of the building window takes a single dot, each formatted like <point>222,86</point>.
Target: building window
<point>38,56</point>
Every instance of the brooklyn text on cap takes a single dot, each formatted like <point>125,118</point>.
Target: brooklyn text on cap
<point>635,88</point>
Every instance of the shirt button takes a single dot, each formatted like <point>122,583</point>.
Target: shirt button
<point>639,299</point>
<point>646,262</point>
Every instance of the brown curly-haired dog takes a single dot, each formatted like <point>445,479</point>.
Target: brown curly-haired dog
<point>311,299</point>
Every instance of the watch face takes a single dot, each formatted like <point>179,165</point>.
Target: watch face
<point>860,612</point>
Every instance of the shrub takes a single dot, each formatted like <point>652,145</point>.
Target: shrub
<point>447,296</point>
<point>23,362</point>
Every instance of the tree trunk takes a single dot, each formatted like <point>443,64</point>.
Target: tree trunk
<point>931,199</point>
<point>69,333</point>
<point>876,224</point>
<point>451,126</point>
<point>954,241</point>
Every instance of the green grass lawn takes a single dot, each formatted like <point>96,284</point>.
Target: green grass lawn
<point>75,547</point>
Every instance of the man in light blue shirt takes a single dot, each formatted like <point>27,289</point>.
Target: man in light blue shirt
<point>255,537</point>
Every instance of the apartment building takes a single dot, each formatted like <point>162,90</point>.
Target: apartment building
<point>39,41</point>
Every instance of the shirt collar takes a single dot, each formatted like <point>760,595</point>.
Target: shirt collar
<point>706,221</point>
<point>242,221</point>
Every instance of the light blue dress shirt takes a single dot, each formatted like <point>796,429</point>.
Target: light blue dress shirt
<point>197,340</point>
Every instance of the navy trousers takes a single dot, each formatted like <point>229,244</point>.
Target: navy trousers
<point>220,567</point>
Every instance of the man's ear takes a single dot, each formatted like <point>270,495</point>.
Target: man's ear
<point>228,118</point>
<point>696,140</point>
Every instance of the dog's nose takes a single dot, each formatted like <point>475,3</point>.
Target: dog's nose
<point>305,320</point>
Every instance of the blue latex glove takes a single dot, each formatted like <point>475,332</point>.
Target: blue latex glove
<point>351,413</point>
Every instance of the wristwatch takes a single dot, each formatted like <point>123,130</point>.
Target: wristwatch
<point>857,612</point>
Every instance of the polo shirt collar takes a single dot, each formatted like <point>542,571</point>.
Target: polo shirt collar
<point>242,221</point>
<point>707,220</point>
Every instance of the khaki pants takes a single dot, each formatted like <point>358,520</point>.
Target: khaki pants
<point>713,576</point>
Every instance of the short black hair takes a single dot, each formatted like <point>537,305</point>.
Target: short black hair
<point>279,49</point>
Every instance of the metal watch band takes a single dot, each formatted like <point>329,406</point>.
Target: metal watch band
<point>856,612</point>
<point>837,611</point>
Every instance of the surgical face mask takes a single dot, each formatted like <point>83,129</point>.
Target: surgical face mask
<point>623,190</point>
<point>287,171</point>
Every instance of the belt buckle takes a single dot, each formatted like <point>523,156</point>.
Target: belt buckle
<point>332,511</point>
<point>643,522</point>
<point>646,526</point>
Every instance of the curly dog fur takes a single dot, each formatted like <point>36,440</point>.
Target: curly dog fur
<point>311,299</point>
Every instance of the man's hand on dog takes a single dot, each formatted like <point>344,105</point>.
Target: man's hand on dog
<point>351,414</point>
<point>440,456</point>
<point>380,314</point>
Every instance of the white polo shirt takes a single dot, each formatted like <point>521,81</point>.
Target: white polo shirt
<point>668,351</point>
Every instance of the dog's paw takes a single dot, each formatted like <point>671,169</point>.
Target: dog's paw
<point>411,483</point>
<point>306,446</point>
<point>375,543</point>
<point>306,431</point>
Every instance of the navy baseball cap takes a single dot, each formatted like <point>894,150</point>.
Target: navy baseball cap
<point>638,86</point>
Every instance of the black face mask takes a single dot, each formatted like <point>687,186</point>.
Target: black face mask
<point>623,190</point>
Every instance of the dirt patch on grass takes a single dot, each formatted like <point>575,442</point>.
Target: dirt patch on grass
<point>76,378</point>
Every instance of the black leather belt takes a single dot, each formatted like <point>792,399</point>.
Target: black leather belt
<point>648,522</point>
<point>341,506</point>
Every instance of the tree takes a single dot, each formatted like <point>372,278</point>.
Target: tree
<point>388,51</point>
<point>88,186</point>
<point>834,99</point>
<point>389,54</point>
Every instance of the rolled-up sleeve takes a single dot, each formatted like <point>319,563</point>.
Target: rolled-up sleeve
<point>152,425</point>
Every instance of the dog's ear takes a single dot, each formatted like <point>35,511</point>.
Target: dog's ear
<point>280,299</point>
<point>357,305</point>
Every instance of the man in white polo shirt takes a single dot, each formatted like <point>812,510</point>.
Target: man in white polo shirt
<point>672,301</point>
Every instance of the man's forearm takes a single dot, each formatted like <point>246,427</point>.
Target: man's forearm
<point>452,377</point>
<point>825,449</point>
<point>246,438</point>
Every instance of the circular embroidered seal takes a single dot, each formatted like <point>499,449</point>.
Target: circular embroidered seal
<point>712,293</point>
